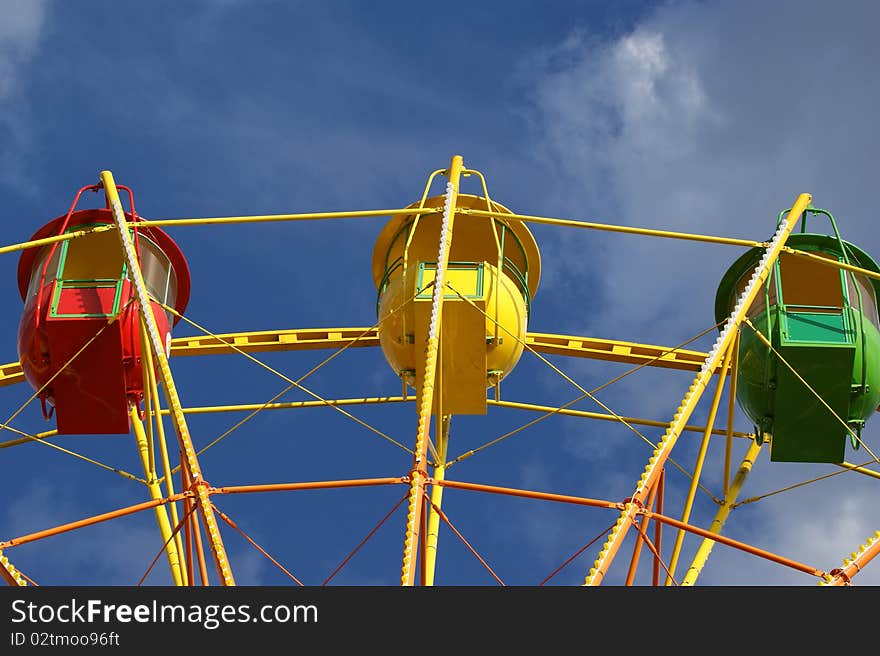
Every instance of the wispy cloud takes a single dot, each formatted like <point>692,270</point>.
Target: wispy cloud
<point>126,546</point>
<point>21,31</point>
<point>702,120</point>
<point>696,122</point>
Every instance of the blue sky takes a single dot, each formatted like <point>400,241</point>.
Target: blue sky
<point>694,116</point>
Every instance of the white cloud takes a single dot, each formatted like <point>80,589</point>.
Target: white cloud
<point>126,546</point>
<point>693,122</point>
<point>709,118</point>
<point>20,32</point>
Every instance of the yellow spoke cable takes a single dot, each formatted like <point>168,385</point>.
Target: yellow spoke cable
<point>846,468</point>
<point>33,438</point>
<point>293,384</point>
<point>812,391</point>
<point>57,373</point>
<point>586,394</point>
<point>51,240</point>
<point>297,383</point>
<point>27,437</point>
<point>562,408</point>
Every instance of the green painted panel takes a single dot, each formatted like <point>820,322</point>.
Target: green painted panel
<point>816,328</point>
<point>804,429</point>
<point>866,401</point>
<point>838,354</point>
<point>757,365</point>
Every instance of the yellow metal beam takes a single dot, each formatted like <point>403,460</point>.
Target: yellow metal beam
<point>834,264</point>
<point>860,470</point>
<point>51,240</point>
<point>275,340</point>
<point>37,437</point>
<point>616,351</point>
<point>661,454</point>
<point>370,400</point>
<point>426,393</point>
<point>433,532</point>
<point>248,407</point>
<point>608,417</point>
<point>527,218</point>
<point>721,516</point>
<point>328,338</point>
<point>158,349</point>
<point>274,218</point>
<point>333,338</point>
<point>152,407</point>
<point>171,547</point>
<point>731,409</point>
<point>698,470</point>
<point>11,374</point>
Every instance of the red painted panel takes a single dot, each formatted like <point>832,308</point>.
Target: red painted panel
<point>85,300</point>
<point>90,396</point>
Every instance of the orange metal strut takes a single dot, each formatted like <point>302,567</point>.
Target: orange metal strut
<point>742,546</point>
<point>530,494</point>
<point>89,521</point>
<point>310,485</point>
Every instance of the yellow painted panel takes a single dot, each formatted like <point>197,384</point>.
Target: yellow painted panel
<point>462,364</point>
<point>464,278</point>
<point>96,256</point>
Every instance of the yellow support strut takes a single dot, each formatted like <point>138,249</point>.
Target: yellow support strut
<point>730,496</point>
<point>689,402</point>
<point>156,494</point>
<point>158,348</point>
<point>153,406</point>
<point>436,500</point>
<point>698,468</point>
<point>419,471</point>
<point>731,409</point>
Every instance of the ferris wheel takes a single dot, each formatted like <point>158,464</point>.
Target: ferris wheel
<point>793,376</point>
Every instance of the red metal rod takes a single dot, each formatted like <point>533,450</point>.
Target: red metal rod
<point>134,218</point>
<point>28,579</point>
<point>6,576</point>
<point>364,541</point>
<point>658,527</point>
<point>462,538</point>
<point>52,250</point>
<point>637,549</point>
<point>656,552</point>
<point>187,528</point>
<point>194,518</point>
<point>200,550</point>
<point>164,546</point>
<point>576,554</point>
<point>226,519</point>
<point>423,545</point>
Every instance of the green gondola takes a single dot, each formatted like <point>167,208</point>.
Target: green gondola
<point>818,380</point>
